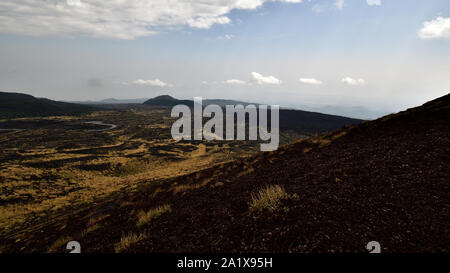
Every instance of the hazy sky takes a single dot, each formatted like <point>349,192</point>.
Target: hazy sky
<point>381,54</point>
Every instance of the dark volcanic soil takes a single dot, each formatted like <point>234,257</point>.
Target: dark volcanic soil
<point>386,181</point>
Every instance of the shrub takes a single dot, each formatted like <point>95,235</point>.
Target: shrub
<point>59,244</point>
<point>128,240</point>
<point>145,217</point>
<point>268,198</point>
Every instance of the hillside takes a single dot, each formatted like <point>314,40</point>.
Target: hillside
<point>385,180</point>
<point>13,105</point>
<point>295,120</point>
<point>167,101</point>
<point>111,101</point>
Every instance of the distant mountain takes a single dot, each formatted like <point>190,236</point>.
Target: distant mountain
<point>13,105</point>
<point>112,101</point>
<point>223,103</point>
<point>347,111</point>
<point>312,122</point>
<point>357,112</point>
<point>295,120</point>
<point>167,101</point>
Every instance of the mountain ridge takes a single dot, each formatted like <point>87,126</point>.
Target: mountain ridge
<point>14,105</point>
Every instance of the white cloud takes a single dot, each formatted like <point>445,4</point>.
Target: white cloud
<point>260,79</point>
<point>74,2</point>
<point>373,2</point>
<point>355,82</point>
<point>339,4</point>
<point>235,81</point>
<point>310,81</point>
<point>437,28</point>
<point>155,82</point>
<point>226,37</point>
<point>207,22</point>
<point>115,19</point>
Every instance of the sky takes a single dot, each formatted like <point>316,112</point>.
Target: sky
<point>384,55</point>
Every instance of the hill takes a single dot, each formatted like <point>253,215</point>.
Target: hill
<point>167,101</point>
<point>13,105</point>
<point>384,180</point>
<point>111,101</point>
<point>295,120</point>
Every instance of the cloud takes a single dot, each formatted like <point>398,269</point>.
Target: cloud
<point>310,81</point>
<point>435,29</point>
<point>207,22</point>
<point>155,82</point>
<point>116,19</point>
<point>235,81</point>
<point>226,37</point>
<point>355,82</point>
<point>260,79</point>
<point>339,4</point>
<point>373,2</point>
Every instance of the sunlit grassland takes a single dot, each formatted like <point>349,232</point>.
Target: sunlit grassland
<point>60,164</point>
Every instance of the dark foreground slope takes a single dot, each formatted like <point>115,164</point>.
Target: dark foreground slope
<point>13,105</point>
<point>385,180</point>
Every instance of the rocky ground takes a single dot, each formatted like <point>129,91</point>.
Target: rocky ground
<point>385,180</point>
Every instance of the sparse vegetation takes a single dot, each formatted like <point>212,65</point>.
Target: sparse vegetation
<point>130,168</point>
<point>93,224</point>
<point>127,240</point>
<point>59,166</point>
<point>90,229</point>
<point>58,244</point>
<point>145,217</point>
<point>268,198</point>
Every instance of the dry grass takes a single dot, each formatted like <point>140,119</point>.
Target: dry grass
<point>31,192</point>
<point>339,135</point>
<point>90,229</point>
<point>128,240</point>
<point>321,141</point>
<point>58,244</point>
<point>57,172</point>
<point>187,187</point>
<point>93,224</point>
<point>145,217</point>
<point>130,168</point>
<point>268,198</point>
<point>184,188</point>
<point>245,172</point>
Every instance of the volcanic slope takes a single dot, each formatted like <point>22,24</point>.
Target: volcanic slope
<point>385,180</point>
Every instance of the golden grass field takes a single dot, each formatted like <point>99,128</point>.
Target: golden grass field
<point>59,165</point>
